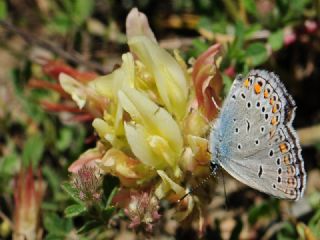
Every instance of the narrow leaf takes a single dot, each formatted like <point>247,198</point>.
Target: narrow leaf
<point>74,210</point>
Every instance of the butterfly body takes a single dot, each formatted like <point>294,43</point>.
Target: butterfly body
<point>253,138</point>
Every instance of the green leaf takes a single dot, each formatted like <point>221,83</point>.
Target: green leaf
<point>250,6</point>
<point>60,23</point>
<point>256,54</point>
<point>89,226</point>
<point>287,232</point>
<point>68,188</point>
<point>65,139</point>
<point>57,226</point>
<point>9,165</point>
<point>227,83</point>
<point>74,210</point>
<point>82,10</point>
<point>53,178</point>
<point>107,212</point>
<point>111,195</point>
<point>3,9</point>
<point>199,46</point>
<point>265,209</point>
<point>33,150</point>
<point>314,224</point>
<point>276,40</point>
<point>251,30</point>
<point>239,33</point>
<point>204,22</point>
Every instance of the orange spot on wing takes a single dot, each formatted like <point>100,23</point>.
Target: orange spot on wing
<point>274,120</point>
<point>286,160</point>
<point>274,108</point>
<point>291,170</point>
<point>266,93</point>
<point>271,101</point>
<point>257,88</point>
<point>283,147</point>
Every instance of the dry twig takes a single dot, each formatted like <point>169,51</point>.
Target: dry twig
<point>74,57</point>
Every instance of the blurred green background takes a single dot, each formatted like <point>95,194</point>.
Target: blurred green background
<point>278,35</point>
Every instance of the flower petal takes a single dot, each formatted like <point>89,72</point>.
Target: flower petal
<point>87,158</point>
<point>137,25</point>
<point>207,81</point>
<point>110,84</point>
<point>166,185</point>
<point>74,88</point>
<point>152,117</point>
<point>169,77</point>
<point>137,139</point>
<point>117,163</point>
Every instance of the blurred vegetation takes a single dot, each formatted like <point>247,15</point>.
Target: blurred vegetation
<point>278,35</point>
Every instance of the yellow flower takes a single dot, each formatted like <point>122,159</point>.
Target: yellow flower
<point>168,75</point>
<point>110,126</point>
<point>128,169</point>
<point>165,71</point>
<point>83,94</point>
<point>153,135</point>
<point>151,118</point>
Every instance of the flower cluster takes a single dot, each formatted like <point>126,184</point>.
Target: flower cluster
<point>152,116</point>
<point>88,184</point>
<point>143,211</point>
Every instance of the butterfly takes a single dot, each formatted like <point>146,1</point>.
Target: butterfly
<point>253,138</point>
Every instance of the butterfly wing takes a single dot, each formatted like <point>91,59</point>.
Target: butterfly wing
<point>253,138</point>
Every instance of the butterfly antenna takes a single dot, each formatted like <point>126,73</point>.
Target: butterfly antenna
<point>213,172</point>
<point>224,189</point>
